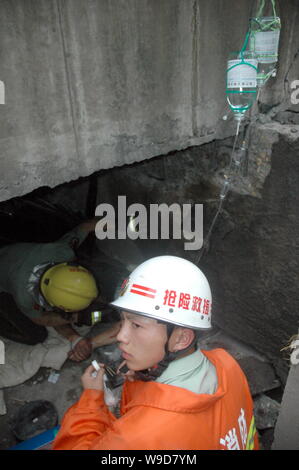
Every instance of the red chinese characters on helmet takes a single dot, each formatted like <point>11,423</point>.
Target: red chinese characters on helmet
<point>206,307</point>
<point>171,289</point>
<point>196,303</point>
<point>169,298</point>
<point>185,301</point>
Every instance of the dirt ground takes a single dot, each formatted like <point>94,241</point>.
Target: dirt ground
<point>62,394</point>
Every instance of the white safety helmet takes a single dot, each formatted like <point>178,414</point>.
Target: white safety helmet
<point>170,289</point>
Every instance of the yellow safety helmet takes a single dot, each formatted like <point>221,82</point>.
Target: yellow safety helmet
<point>68,287</point>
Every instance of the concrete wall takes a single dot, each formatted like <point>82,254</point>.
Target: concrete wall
<point>90,84</point>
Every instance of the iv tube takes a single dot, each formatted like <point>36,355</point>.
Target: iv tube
<point>222,196</point>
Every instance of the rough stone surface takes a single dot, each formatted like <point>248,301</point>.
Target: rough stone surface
<point>252,263</point>
<point>94,84</point>
<point>258,370</point>
<point>266,438</point>
<point>260,375</point>
<point>266,412</point>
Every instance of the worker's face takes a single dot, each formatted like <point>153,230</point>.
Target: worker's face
<point>142,341</point>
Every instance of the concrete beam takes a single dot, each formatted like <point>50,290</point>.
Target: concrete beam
<point>92,84</point>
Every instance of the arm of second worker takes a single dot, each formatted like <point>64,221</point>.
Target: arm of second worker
<point>89,225</point>
<point>84,422</point>
<point>51,319</point>
<point>80,232</point>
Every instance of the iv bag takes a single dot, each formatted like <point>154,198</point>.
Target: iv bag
<point>241,85</point>
<point>265,26</point>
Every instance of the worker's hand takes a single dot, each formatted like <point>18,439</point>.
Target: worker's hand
<point>93,382</point>
<point>81,351</point>
<point>107,336</point>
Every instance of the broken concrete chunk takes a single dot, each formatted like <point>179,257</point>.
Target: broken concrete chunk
<point>260,375</point>
<point>266,412</point>
<point>258,370</point>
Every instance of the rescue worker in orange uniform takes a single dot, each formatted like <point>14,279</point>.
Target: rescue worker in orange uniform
<point>175,396</point>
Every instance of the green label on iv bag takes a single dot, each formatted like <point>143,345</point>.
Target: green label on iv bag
<point>241,74</point>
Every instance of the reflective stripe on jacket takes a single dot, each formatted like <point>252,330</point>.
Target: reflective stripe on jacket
<point>156,416</point>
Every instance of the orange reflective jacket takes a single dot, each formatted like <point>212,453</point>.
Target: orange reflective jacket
<point>156,416</point>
